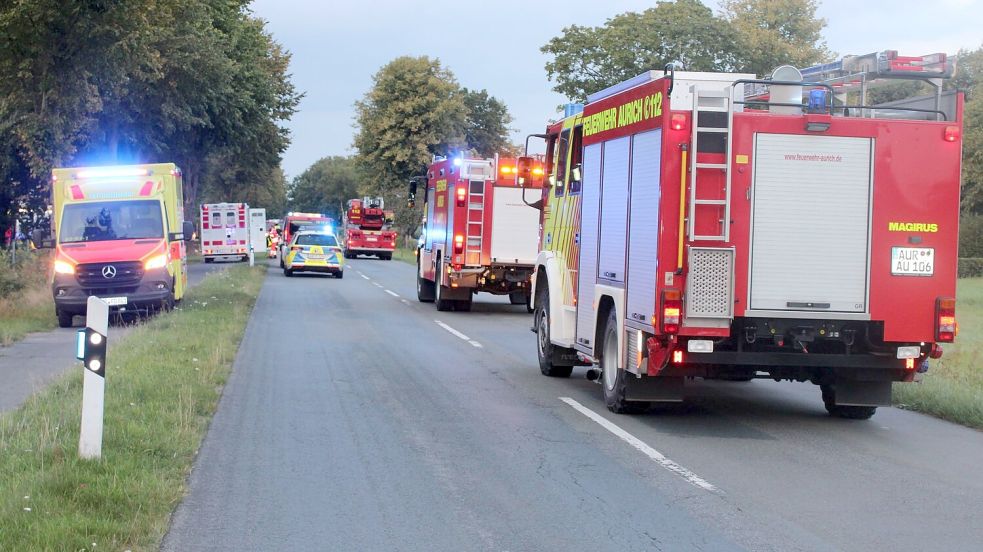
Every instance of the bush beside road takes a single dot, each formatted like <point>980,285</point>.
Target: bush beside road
<point>953,387</point>
<point>25,298</point>
<point>164,382</point>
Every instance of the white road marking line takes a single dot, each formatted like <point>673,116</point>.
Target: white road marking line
<point>453,331</point>
<point>377,284</point>
<point>363,276</point>
<point>475,344</point>
<point>641,446</point>
<point>405,301</point>
<point>393,293</point>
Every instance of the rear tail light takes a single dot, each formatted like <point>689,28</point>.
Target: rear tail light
<point>909,364</point>
<point>461,196</point>
<point>678,121</point>
<point>672,308</point>
<point>945,319</point>
<point>677,357</point>
<point>458,244</point>
<point>951,134</point>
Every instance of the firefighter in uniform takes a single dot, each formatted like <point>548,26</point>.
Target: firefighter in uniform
<point>273,240</point>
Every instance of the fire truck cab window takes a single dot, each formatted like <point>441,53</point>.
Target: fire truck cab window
<point>561,163</point>
<point>576,158</point>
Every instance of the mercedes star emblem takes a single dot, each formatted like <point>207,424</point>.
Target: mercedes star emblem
<point>109,271</point>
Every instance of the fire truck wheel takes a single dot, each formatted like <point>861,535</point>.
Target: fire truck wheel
<point>614,379</point>
<point>387,257</point>
<point>65,319</point>
<point>464,305</point>
<point>544,348</point>
<point>519,298</point>
<point>842,410</point>
<point>424,288</point>
<point>442,304</point>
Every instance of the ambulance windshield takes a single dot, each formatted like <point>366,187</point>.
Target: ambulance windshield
<point>111,220</point>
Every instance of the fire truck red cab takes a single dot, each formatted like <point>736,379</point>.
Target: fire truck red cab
<point>295,222</point>
<point>479,231</point>
<point>718,226</point>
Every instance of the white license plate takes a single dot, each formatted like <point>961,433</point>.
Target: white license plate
<point>912,261</point>
<point>315,257</point>
<point>370,238</point>
<point>114,301</point>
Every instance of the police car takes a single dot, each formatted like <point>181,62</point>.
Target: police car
<point>313,251</point>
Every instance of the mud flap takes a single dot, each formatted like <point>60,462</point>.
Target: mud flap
<point>863,393</point>
<point>655,389</point>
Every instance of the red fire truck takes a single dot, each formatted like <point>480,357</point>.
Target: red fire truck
<point>719,226</point>
<point>367,229</point>
<point>478,233</point>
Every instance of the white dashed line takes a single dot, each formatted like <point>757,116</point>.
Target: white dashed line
<point>456,333</point>
<point>377,284</point>
<point>393,293</point>
<point>405,301</point>
<point>364,276</point>
<point>655,455</point>
<point>475,344</point>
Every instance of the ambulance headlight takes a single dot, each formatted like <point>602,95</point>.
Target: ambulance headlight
<point>63,267</point>
<point>159,261</point>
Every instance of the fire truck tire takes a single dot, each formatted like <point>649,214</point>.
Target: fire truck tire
<point>842,410</point>
<point>544,347</point>
<point>463,305</point>
<point>387,257</point>
<point>614,380</point>
<point>424,288</point>
<point>519,298</point>
<point>65,319</point>
<point>442,304</point>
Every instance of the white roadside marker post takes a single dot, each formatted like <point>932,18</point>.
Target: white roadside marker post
<point>92,350</point>
<point>252,256</point>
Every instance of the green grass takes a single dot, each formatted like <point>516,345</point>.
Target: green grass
<point>953,387</point>
<point>405,255</point>
<point>163,384</point>
<point>25,299</point>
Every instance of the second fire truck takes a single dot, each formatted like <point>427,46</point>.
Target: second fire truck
<point>479,232</point>
<point>367,229</point>
<point>720,226</point>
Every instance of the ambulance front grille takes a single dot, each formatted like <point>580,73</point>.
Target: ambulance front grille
<point>709,284</point>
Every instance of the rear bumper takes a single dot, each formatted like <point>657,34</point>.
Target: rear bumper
<point>153,289</point>
<point>326,269</point>
<point>353,249</point>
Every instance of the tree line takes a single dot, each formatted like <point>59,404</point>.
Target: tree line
<point>200,83</point>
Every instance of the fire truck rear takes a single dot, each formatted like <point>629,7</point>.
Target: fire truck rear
<point>478,235</point>
<point>367,229</point>
<point>719,226</point>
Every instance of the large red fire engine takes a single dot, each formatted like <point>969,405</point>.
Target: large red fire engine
<point>716,225</point>
<point>478,233</point>
<point>367,229</point>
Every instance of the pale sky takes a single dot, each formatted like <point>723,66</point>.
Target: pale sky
<point>338,46</point>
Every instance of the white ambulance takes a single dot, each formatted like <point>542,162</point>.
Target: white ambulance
<point>225,231</point>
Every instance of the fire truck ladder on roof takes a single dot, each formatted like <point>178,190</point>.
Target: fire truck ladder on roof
<point>706,103</point>
<point>476,222</point>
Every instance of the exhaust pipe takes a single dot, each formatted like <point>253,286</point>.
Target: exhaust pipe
<point>593,374</point>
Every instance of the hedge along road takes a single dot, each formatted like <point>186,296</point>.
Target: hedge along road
<point>32,363</point>
<point>359,419</point>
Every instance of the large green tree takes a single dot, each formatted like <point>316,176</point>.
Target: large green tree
<point>771,33</point>
<point>750,35</point>
<point>326,186</point>
<point>486,128</point>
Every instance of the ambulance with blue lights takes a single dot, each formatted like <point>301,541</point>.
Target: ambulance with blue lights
<point>722,226</point>
<point>119,234</point>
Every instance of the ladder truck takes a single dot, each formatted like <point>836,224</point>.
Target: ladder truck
<point>479,232</point>
<point>367,230</point>
<point>717,225</point>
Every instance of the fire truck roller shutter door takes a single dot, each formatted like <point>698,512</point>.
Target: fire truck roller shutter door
<point>643,237</point>
<point>614,210</point>
<point>587,267</point>
<point>811,223</point>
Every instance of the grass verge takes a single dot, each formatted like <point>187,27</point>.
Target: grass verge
<point>405,255</point>
<point>163,384</point>
<point>25,299</point>
<point>953,387</point>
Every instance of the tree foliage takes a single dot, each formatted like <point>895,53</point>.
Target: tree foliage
<point>326,186</point>
<point>486,123</point>
<point>197,82</point>
<point>751,35</point>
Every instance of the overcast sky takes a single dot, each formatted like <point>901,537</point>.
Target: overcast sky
<point>338,45</point>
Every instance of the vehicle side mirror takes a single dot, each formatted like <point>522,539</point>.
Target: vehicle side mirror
<point>39,241</point>
<point>411,196</point>
<point>189,230</point>
<point>575,173</point>
<point>529,172</point>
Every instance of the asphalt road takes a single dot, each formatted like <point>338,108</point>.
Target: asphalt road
<point>355,421</point>
<point>32,363</point>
